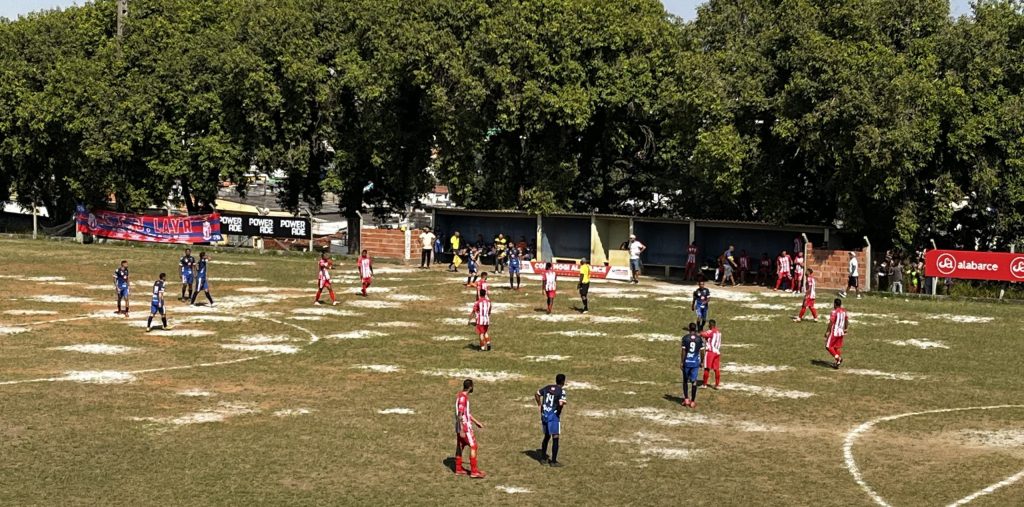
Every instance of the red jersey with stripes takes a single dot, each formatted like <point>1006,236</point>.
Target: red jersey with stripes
<point>784,264</point>
<point>463,422</point>
<point>550,280</point>
<point>812,285</point>
<point>324,275</point>
<point>714,340</point>
<point>483,286</point>
<point>482,310</point>
<point>744,262</point>
<point>798,263</point>
<point>365,267</point>
<point>691,255</point>
<point>837,323</point>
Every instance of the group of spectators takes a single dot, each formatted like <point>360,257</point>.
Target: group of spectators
<point>903,272</point>
<point>495,251</point>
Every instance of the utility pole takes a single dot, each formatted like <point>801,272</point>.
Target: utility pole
<point>122,16</point>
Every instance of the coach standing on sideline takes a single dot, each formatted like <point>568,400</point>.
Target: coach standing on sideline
<point>635,249</point>
<point>427,243</point>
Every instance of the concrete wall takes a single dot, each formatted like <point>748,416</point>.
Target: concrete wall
<point>566,238</point>
<point>831,267</point>
<point>665,241</point>
<point>606,235</point>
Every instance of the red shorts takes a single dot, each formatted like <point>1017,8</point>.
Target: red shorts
<point>366,281</point>
<point>713,361</point>
<point>482,328</point>
<point>835,342</point>
<point>324,283</point>
<point>469,441</point>
<point>551,294</point>
<point>808,303</point>
<point>784,275</point>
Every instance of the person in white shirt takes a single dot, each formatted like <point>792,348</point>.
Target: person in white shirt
<point>853,281</point>
<point>635,249</point>
<point>427,242</point>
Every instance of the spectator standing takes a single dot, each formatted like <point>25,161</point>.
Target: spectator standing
<point>635,248</point>
<point>853,282</point>
<point>728,265</point>
<point>427,243</point>
<point>897,278</point>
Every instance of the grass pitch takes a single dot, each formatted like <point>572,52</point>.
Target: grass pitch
<point>267,399</point>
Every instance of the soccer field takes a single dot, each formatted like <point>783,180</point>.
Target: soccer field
<point>265,398</point>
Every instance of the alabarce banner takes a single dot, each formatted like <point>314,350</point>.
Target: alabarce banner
<point>149,228</point>
<point>970,265</point>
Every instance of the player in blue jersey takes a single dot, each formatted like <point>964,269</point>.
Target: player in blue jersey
<point>551,399</point>
<point>122,286</point>
<point>187,266</point>
<point>474,266</point>
<point>515,257</point>
<point>202,279</point>
<point>157,303</point>
<point>690,362</point>
<point>701,299</point>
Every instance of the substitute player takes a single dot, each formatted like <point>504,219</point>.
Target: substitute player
<point>551,400</point>
<point>515,256</point>
<point>810,292</point>
<point>798,271</point>
<point>783,269</point>
<point>481,316</point>
<point>584,284</point>
<point>122,287</point>
<point>157,303</point>
<point>202,279</point>
<point>464,422</point>
<point>701,302</point>
<point>365,265</point>
<point>549,279</point>
<point>187,266</point>
<point>323,280</point>
<point>691,261</point>
<point>689,362</point>
<point>837,325</point>
<point>713,356</point>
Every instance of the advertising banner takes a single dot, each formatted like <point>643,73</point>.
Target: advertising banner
<point>572,270</point>
<point>267,227</point>
<point>971,265</point>
<point>149,228</point>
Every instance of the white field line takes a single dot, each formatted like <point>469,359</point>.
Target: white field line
<point>854,434</point>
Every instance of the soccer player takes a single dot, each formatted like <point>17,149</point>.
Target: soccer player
<point>783,267</point>
<point>481,316</point>
<point>713,357</point>
<point>365,270</point>
<point>202,279</point>
<point>689,362</point>
<point>484,285</point>
<point>551,400</point>
<point>700,303</point>
<point>584,284</point>
<point>837,325</point>
<point>853,281</point>
<point>763,268</point>
<point>187,265</point>
<point>798,271</point>
<point>810,292</point>
<point>324,279</point>
<point>464,422</point>
<point>515,255</point>
<point>122,287</point>
<point>550,282</point>
<point>635,249</point>
<point>691,261</point>
<point>744,266</point>
<point>157,304</point>
<point>474,266</point>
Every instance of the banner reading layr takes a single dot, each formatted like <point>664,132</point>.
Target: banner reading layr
<point>148,228</point>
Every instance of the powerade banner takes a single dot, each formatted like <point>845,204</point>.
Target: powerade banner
<point>268,227</point>
<point>967,264</point>
<point>148,228</point>
<point>572,270</point>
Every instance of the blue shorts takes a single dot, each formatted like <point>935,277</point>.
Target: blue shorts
<point>154,307</point>
<point>472,267</point>
<point>690,373</point>
<point>513,270</point>
<point>186,277</point>
<point>551,425</point>
<point>202,283</point>
<point>122,291</point>
<point>634,264</point>
<point>702,313</point>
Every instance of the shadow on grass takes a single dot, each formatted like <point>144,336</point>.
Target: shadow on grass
<point>536,455</point>
<point>449,463</point>
<point>673,398</point>
<point>821,364</point>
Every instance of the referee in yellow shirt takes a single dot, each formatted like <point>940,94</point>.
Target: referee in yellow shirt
<point>584,285</point>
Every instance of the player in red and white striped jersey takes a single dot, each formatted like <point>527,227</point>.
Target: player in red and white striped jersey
<point>481,316</point>
<point>365,270</point>
<point>691,261</point>
<point>783,266</point>
<point>324,279</point>
<point>483,285</point>
<point>464,436</point>
<point>810,292</point>
<point>798,271</point>
<point>744,266</point>
<point>837,326</point>
<point>713,359</point>
<point>550,280</point>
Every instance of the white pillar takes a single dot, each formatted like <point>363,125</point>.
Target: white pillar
<point>35,221</point>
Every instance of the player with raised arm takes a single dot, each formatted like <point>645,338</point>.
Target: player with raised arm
<point>515,256</point>
<point>323,280</point>
<point>689,362</point>
<point>464,422</point>
<point>187,266</point>
<point>157,303</point>
<point>551,400</point>
<point>584,284</point>
<point>481,316</point>
<point>202,279</point>
<point>701,302</point>
<point>810,292</point>
<point>122,286</point>
<point>549,281</point>
<point>365,265</point>
<point>837,326</point>
<point>713,356</point>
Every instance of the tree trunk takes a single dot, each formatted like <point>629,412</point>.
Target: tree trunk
<point>354,226</point>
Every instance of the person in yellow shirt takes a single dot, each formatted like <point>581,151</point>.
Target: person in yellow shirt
<point>584,285</point>
<point>455,241</point>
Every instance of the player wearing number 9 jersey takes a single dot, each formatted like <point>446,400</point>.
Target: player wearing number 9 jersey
<point>837,326</point>
<point>551,399</point>
<point>157,304</point>
<point>689,359</point>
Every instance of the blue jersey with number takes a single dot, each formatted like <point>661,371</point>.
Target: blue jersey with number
<point>513,259</point>
<point>158,289</point>
<point>121,277</point>
<point>701,297</point>
<point>202,267</point>
<point>552,397</point>
<point>187,263</point>
<point>692,345</point>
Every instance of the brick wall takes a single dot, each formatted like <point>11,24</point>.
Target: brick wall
<point>831,267</point>
<point>385,243</point>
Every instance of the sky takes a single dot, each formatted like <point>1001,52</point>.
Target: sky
<point>686,9</point>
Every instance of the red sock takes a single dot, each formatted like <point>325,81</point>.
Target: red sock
<point>332,295</point>
<point>458,462</point>
<point>778,282</point>
<point>472,464</point>
<point>718,377</point>
<point>318,292</point>
<point>814,313</point>
<point>706,373</point>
